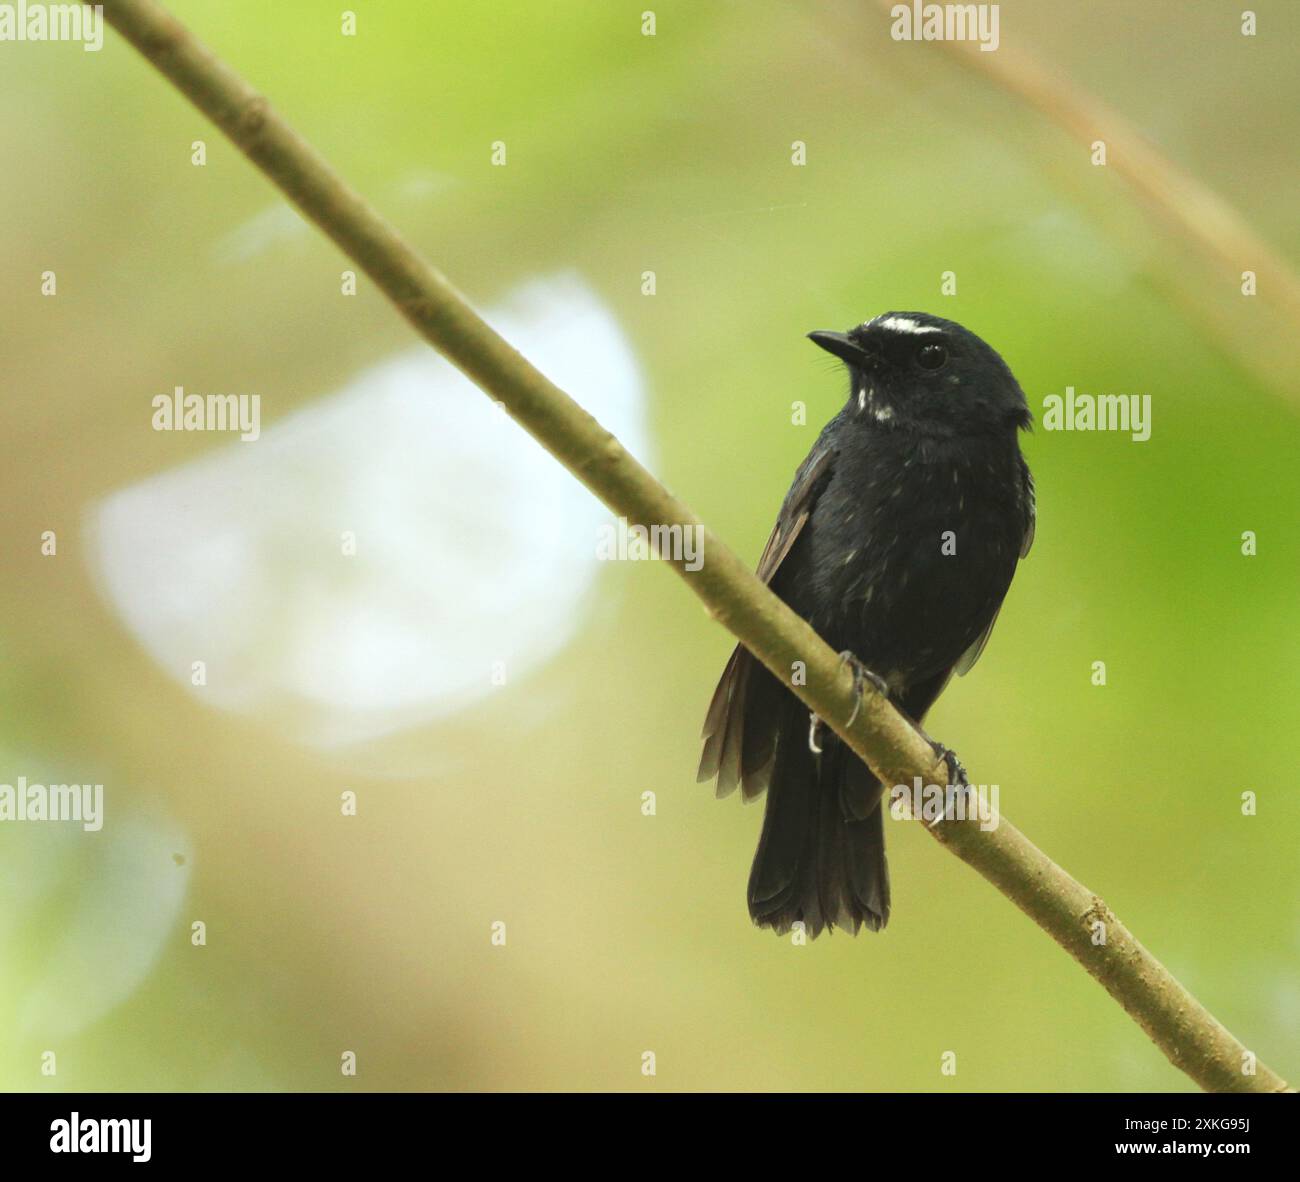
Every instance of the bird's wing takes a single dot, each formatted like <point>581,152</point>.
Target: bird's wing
<point>740,726</point>
<point>966,662</point>
<point>798,506</point>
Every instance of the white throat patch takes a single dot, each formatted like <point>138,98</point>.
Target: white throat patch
<point>867,402</point>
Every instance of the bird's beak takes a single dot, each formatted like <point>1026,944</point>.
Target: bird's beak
<point>842,345</point>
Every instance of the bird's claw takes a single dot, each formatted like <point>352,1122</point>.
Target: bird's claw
<point>956,779</point>
<point>861,676</point>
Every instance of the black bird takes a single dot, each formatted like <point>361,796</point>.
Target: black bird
<point>897,542</point>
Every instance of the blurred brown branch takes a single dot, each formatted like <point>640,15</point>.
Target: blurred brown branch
<point>1186,205</point>
<point>1188,1034</point>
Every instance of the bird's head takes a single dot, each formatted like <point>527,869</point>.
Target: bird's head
<point>911,369</point>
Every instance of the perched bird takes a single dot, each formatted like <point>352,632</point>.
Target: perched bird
<point>897,543</point>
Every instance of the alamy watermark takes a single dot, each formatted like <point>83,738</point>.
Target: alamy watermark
<point>53,802</point>
<point>946,22</point>
<point>179,411</point>
<point>619,542</point>
<point>88,1134</point>
<point>1099,412</point>
<point>932,803</point>
<point>54,22</point>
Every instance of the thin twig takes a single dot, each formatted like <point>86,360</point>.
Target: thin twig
<point>1187,1033</point>
<point>1184,204</point>
<point>1191,207</point>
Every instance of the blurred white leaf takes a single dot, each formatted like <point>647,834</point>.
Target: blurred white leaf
<point>473,545</point>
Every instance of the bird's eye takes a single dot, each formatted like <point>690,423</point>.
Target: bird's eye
<point>931,356</point>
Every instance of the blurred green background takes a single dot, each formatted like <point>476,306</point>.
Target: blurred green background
<point>522,804</point>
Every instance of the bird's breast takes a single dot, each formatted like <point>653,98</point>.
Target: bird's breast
<point>914,557</point>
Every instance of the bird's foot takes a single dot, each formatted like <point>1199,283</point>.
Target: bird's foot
<point>814,726</point>
<point>862,676</point>
<point>958,784</point>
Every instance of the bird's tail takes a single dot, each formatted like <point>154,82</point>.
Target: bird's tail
<point>821,857</point>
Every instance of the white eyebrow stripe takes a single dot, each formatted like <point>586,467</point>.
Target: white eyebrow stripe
<point>902,324</point>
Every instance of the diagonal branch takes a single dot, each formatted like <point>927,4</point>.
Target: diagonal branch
<point>1191,209</point>
<point>1189,1035</point>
